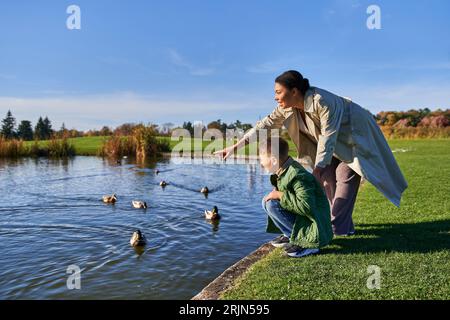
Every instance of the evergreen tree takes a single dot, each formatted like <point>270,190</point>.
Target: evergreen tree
<point>63,132</point>
<point>25,131</point>
<point>39,131</point>
<point>188,126</point>
<point>8,125</point>
<point>48,128</point>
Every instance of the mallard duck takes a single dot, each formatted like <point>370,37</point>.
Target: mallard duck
<point>163,183</point>
<point>212,215</point>
<point>204,190</point>
<point>110,199</point>
<point>139,204</point>
<point>138,239</point>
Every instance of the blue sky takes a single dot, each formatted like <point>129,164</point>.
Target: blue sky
<point>171,61</point>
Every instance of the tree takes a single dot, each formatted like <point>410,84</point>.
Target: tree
<point>25,131</point>
<point>188,126</point>
<point>167,127</point>
<point>39,130</point>
<point>239,125</point>
<point>214,125</point>
<point>246,126</point>
<point>105,131</point>
<point>8,125</point>
<point>63,132</point>
<point>43,129</point>
<point>48,128</point>
<point>391,119</point>
<point>125,129</point>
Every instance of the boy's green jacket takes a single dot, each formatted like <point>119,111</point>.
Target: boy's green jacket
<point>303,196</point>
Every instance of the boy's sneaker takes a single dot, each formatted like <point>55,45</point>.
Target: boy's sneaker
<point>280,241</point>
<point>294,251</point>
<point>351,233</point>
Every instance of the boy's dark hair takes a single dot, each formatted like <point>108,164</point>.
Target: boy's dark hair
<point>276,146</point>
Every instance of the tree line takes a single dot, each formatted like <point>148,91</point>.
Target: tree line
<point>217,124</point>
<point>43,129</point>
<point>25,131</point>
<point>395,120</point>
<point>414,118</point>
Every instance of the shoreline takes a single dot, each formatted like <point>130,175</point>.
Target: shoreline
<point>227,278</point>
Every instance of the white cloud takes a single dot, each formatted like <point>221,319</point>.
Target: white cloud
<point>87,112</point>
<point>93,111</point>
<point>194,70</point>
<point>277,65</point>
<point>401,97</point>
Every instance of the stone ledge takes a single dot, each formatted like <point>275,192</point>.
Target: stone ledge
<point>226,280</point>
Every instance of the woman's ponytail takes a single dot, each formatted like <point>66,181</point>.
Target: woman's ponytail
<point>293,79</point>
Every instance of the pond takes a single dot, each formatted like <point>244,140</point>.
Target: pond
<point>52,216</point>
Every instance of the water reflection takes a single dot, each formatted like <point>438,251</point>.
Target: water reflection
<point>55,207</point>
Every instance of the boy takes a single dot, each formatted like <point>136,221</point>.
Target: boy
<point>297,207</point>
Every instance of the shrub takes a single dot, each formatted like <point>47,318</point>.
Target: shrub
<point>60,148</point>
<point>142,143</point>
<point>12,148</point>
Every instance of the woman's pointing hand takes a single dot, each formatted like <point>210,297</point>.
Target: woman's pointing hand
<point>225,153</point>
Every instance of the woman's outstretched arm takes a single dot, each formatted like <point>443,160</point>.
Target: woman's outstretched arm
<point>274,120</point>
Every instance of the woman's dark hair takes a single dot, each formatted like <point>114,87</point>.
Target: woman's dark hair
<point>293,79</point>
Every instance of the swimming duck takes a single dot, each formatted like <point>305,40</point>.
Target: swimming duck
<point>139,204</point>
<point>156,171</point>
<point>212,215</point>
<point>110,199</point>
<point>204,190</point>
<point>163,183</point>
<point>138,239</point>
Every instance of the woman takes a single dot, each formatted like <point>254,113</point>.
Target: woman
<point>336,138</point>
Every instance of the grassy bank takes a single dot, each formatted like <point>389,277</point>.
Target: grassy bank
<point>411,244</point>
<point>84,146</point>
<point>90,146</point>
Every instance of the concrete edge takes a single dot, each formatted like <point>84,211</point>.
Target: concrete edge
<point>226,280</point>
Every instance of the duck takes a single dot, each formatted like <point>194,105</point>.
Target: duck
<point>138,239</point>
<point>139,204</point>
<point>163,183</point>
<point>204,190</point>
<point>213,214</point>
<point>110,199</point>
<point>156,171</point>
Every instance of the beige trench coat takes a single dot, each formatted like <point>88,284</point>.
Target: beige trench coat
<point>341,128</point>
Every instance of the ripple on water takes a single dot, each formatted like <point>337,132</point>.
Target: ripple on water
<point>53,217</point>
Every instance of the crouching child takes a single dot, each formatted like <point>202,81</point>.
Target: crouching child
<point>297,207</point>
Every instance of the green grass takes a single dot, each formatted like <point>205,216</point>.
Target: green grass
<point>86,146</point>
<point>410,244</point>
<point>89,146</point>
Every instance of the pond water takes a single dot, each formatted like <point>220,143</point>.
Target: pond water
<point>52,216</point>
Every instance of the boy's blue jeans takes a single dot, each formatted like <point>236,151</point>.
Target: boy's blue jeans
<point>284,220</point>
